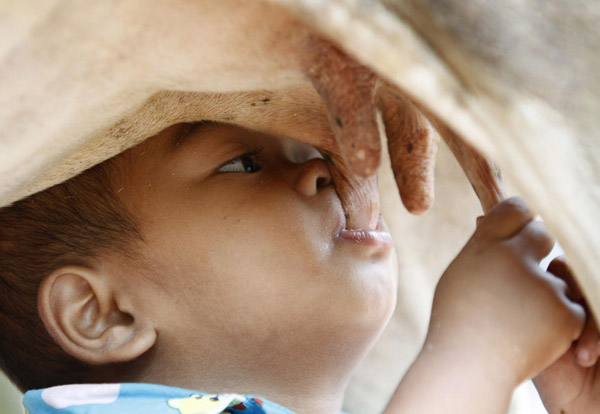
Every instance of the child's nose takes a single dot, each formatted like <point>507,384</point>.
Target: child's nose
<point>313,175</point>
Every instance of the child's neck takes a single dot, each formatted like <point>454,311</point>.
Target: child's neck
<point>300,389</point>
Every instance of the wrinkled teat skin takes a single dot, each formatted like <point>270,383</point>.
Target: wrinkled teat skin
<point>353,95</point>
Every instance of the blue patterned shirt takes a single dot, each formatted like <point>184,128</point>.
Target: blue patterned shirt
<point>142,398</point>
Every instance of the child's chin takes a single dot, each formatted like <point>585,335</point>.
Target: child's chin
<point>374,306</point>
<point>368,327</point>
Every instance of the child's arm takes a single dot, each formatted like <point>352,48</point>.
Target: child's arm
<point>497,320</point>
<point>572,384</point>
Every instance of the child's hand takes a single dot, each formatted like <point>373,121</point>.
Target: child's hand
<point>494,305</point>
<point>572,384</point>
<point>497,319</point>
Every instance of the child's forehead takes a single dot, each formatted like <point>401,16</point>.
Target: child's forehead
<point>181,137</point>
<point>208,136</point>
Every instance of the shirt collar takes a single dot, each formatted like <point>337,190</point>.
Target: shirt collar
<point>129,398</point>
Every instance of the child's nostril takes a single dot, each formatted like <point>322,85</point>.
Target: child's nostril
<point>321,181</point>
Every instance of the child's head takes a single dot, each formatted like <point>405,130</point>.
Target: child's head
<point>206,256</point>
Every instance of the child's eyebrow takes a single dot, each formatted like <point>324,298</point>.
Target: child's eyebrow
<point>182,135</point>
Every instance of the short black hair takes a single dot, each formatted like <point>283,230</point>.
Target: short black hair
<point>66,224</point>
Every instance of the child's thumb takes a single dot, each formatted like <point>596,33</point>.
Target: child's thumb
<point>560,268</point>
<point>478,220</point>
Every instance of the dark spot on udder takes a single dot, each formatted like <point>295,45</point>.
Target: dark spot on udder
<point>563,412</point>
<point>253,104</point>
<point>353,145</point>
<point>339,122</point>
<point>346,215</point>
<point>409,148</point>
<point>266,100</point>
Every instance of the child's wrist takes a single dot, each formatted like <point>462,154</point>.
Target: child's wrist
<point>473,364</point>
<point>486,353</point>
<point>452,380</point>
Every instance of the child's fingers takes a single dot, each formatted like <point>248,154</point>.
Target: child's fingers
<point>478,220</point>
<point>535,239</point>
<point>506,219</point>
<point>560,268</point>
<point>577,316</point>
<point>512,218</point>
<point>587,350</point>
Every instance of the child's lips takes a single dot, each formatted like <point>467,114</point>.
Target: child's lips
<point>378,237</point>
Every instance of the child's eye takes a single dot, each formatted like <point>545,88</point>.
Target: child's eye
<point>243,163</point>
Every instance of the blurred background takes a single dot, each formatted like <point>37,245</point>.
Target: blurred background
<point>10,397</point>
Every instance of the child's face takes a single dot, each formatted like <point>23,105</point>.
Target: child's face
<point>246,256</point>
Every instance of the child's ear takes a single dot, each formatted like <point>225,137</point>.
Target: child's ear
<point>84,316</point>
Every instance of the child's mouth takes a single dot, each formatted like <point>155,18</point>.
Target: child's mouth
<point>378,237</point>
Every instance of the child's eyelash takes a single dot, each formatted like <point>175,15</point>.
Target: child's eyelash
<point>249,154</point>
<point>252,153</point>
